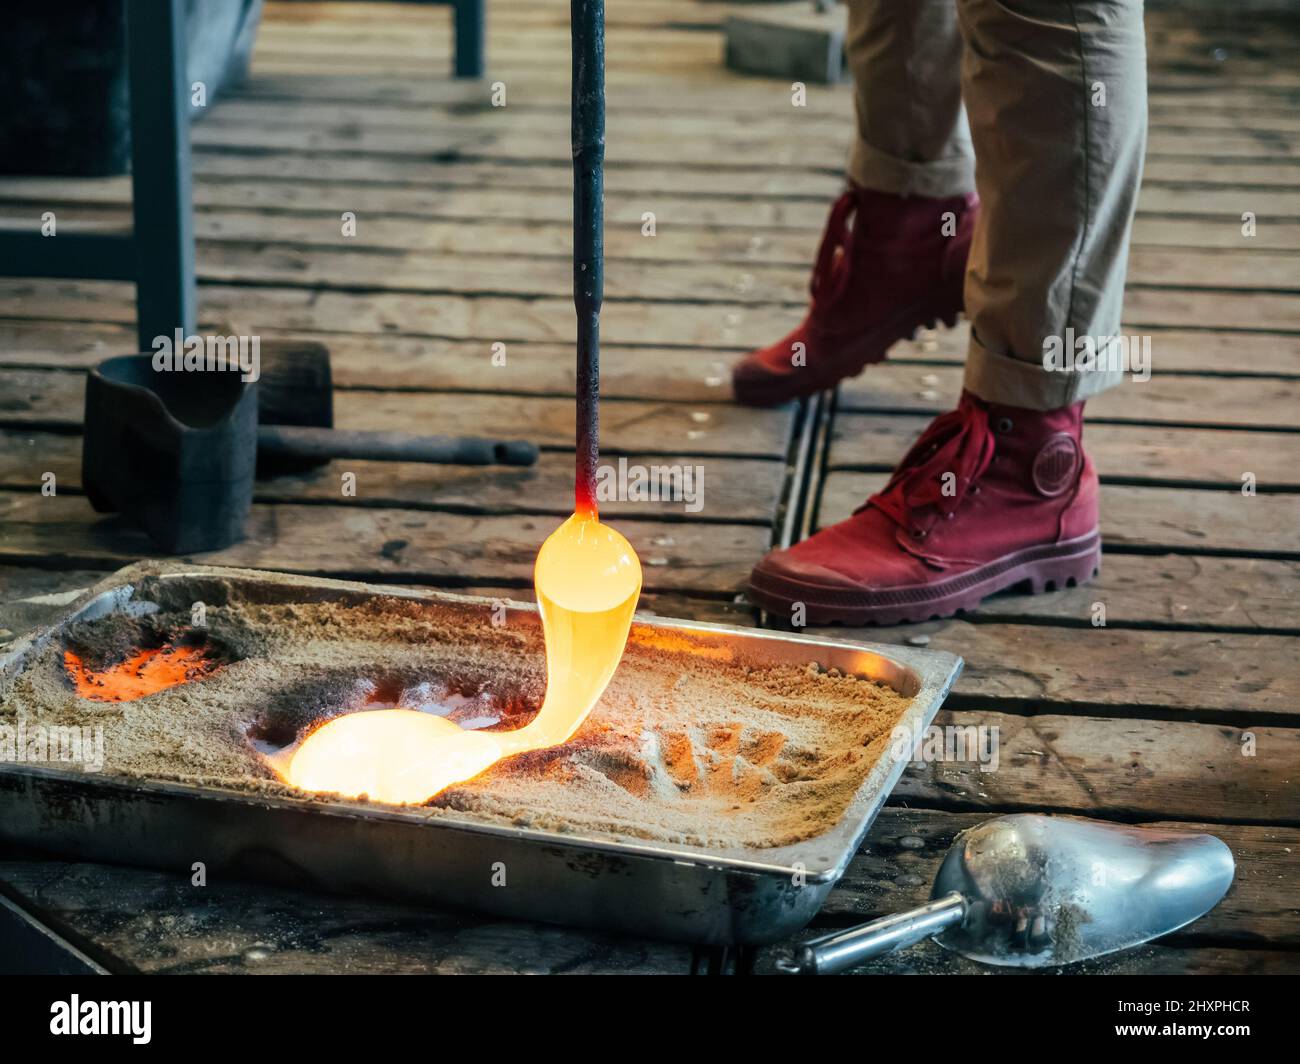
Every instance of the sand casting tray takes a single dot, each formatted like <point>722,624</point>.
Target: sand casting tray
<point>665,881</point>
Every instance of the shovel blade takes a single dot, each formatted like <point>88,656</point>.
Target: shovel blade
<point>1047,890</point>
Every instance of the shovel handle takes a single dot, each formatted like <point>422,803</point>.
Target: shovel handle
<point>845,949</point>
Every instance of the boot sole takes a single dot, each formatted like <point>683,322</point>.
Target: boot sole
<point>860,353</point>
<point>1043,568</point>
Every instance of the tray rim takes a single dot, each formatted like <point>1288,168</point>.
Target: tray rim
<point>937,671</point>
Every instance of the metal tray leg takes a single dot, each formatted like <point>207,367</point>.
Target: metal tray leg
<point>470,17</point>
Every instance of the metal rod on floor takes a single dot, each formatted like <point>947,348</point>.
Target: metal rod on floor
<point>587,25</point>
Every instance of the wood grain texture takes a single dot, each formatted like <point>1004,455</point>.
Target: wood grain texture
<point>40,397</point>
<point>1103,766</point>
<point>391,545</point>
<point>1180,675</point>
<point>630,369</point>
<point>731,490</point>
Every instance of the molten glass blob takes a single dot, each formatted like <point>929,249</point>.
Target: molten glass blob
<point>588,580</point>
<point>391,755</point>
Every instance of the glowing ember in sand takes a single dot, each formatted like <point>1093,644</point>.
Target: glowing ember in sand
<point>587,579</point>
<point>145,672</point>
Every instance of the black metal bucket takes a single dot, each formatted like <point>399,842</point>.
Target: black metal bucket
<point>173,451</point>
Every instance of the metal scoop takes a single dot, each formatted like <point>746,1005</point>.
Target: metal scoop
<point>1028,891</point>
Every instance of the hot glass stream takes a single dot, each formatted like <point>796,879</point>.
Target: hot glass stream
<point>588,580</point>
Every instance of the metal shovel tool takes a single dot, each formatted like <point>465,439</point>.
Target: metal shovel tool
<point>1029,891</point>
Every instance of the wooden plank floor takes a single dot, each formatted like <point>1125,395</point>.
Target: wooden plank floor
<point>463,241</point>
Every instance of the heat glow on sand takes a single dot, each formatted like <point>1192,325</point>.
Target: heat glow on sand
<point>144,672</point>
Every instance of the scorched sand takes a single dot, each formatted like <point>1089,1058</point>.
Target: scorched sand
<point>684,747</point>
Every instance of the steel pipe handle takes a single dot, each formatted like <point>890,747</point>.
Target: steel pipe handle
<point>311,442</point>
<point>845,949</point>
<point>587,28</point>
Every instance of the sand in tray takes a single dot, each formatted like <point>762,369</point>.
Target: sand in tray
<point>680,748</point>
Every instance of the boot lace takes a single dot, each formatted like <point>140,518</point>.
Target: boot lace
<point>831,270</point>
<point>959,442</point>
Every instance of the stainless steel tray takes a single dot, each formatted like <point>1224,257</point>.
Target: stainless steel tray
<point>654,889</point>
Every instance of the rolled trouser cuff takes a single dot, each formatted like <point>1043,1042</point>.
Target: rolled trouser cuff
<point>1000,378</point>
<point>940,179</point>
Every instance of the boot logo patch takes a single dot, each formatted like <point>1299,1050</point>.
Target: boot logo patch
<point>1057,465</point>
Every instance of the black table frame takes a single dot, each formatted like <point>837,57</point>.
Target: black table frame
<point>157,253</point>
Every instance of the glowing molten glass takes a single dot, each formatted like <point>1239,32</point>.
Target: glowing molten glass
<point>587,580</point>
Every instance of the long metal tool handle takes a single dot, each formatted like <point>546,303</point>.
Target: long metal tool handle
<point>310,442</point>
<point>587,25</point>
<point>845,949</point>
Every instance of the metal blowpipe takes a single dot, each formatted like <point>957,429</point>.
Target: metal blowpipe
<point>587,26</point>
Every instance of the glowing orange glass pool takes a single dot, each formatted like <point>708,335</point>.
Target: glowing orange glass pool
<point>588,580</point>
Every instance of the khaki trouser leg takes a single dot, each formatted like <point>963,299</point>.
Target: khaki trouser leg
<point>912,139</point>
<point>1056,94</point>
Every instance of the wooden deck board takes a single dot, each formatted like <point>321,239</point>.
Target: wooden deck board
<point>417,546</point>
<point>628,370</point>
<point>463,240</point>
<point>706,328</point>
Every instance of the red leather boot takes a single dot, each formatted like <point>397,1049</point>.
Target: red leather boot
<point>887,266</point>
<point>990,497</point>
